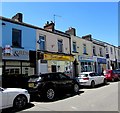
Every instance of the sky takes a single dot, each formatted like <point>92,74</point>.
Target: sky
<point>100,19</point>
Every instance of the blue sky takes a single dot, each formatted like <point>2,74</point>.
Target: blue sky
<point>97,18</point>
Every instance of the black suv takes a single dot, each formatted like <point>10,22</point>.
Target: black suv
<point>49,84</point>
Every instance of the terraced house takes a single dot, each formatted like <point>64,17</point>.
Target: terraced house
<point>28,49</point>
<point>53,49</point>
<point>15,46</point>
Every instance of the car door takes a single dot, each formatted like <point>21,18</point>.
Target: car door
<point>0,98</point>
<point>94,77</point>
<point>100,78</point>
<point>66,82</point>
<point>3,97</point>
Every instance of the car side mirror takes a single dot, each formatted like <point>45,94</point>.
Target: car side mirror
<point>1,89</point>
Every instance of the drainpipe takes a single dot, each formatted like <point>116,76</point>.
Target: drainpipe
<point>115,59</point>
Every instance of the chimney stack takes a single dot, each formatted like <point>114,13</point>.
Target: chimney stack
<point>18,17</point>
<point>87,37</point>
<point>71,31</point>
<point>49,26</point>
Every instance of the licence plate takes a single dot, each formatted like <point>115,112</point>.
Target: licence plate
<point>31,85</point>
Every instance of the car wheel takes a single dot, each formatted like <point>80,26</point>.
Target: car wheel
<point>76,88</point>
<point>105,82</point>
<point>20,102</point>
<point>113,80</point>
<point>50,93</point>
<point>92,84</point>
<point>119,78</point>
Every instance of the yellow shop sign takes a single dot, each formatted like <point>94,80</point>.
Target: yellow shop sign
<point>58,57</point>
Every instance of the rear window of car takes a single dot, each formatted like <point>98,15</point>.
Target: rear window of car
<point>106,72</point>
<point>83,75</point>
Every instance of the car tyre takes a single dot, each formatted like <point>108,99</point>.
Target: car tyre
<point>20,102</point>
<point>50,93</point>
<point>92,84</point>
<point>105,82</point>
<point>76,88</point>
<point>113,80</point>
<point>118,78</point>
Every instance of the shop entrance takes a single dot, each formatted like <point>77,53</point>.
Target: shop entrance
<point>54,68</point>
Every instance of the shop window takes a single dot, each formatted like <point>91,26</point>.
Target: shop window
<point>41,42</point>
<point>26,71</point>
<point>16,38</point>
<point>12,71</point>
<point>60,46</point>
<point>74,47</point>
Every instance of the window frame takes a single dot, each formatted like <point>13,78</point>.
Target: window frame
<point>19,38</point>
<point>60,45</point>
<point>42,47</point>
<point>74,46</point>
<point>84,49</point>
<point>101,51</point>
<point>94,50</point>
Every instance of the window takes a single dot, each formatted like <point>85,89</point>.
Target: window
<point>16,38</point>
<point>118,53</point>
<point>74,47</point>
<point>41,42</point>
<point>100,51</point>
<point>84,49</point>
<point>106,49</point>
<point>62,77</point>
<point>111,50</point>
<point>60,46</point>
<point>94,51</point>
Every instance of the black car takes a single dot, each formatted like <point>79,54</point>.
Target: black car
<point>50,84</point>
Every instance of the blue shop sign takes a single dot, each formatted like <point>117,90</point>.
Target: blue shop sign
<point>101,60</point>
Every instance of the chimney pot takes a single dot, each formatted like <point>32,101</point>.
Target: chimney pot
<point>18,17</point>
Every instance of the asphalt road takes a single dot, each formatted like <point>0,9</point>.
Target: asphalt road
<point>101,98</point>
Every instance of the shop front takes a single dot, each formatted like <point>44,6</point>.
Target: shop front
<point>16,61</point>
<point>55,62</point>
<point>86,63</point>
<point>101,65</point>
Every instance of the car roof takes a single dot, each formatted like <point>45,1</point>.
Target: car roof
<point>46,73</point>
<point>86,72</point>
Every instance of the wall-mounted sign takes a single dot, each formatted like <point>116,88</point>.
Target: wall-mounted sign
<point>15,54</point>
<point>58,57</point>
<point>101,60</point>
<point>85,58</point>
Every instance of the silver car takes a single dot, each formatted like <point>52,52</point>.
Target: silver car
<point>14,97</point>
<point>91,79</point>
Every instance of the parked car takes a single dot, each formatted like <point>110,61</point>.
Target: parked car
<point>14,97</point>
<point>118,72</point>
<point>49,84</point>
<point>91,79</point>
<point>111,75</point>
<point>68,73</point>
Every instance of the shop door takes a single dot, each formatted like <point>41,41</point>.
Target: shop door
<point>54,69</point>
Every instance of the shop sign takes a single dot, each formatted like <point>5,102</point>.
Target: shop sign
<point>101,60</point>
<point>58,57</point>
<point>15,54</point>
<point>87,58</point>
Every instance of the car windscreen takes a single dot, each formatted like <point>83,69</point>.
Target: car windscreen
<point>34,78</point>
